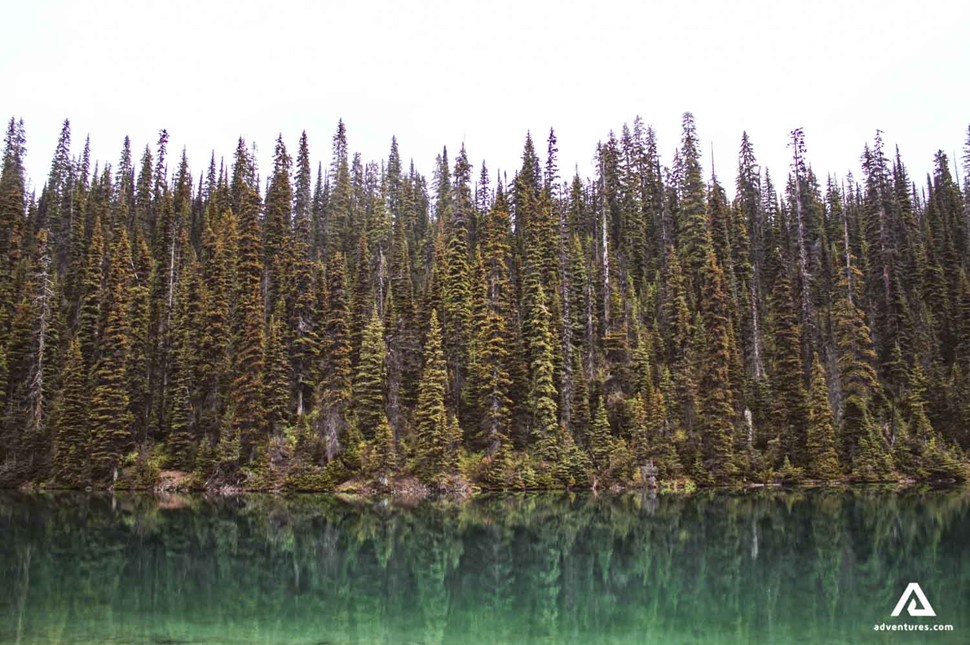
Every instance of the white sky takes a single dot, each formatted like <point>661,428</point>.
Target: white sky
<point>442,72</point>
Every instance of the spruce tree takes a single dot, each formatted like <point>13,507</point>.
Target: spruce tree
<point>13,211</point>
<point>339,214</point>
<point>110,414</point>
<point>89,311</point>
<point>276,378</point>
<point>543,407</point>
<point>220,243</point>
<point>70,422</point>
<point>823,460</point>
<point>385,451</point>
<point>247,336</point>
<point>861,440</point>
<point>430,418</point>
<point>490,370</point>
<point>277,226</point>
<point>184,367</point>
<point>370,378</point>
<point>139,359</point>
<point>692,225</point>
<point>787,379</point>
<point>456,280</point>
<point>718,417</point>
<point>600,438</point>
<point>336,386</point>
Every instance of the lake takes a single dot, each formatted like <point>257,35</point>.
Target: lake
<point>769,566</point>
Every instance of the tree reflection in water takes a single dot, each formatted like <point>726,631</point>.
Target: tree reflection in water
<point>767,566</point>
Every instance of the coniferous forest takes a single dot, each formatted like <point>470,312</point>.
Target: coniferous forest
<point>352,325</point>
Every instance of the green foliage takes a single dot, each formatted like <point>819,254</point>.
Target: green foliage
<point>70,422</point>
<point>434,447</point>
<point>110,414</point>
<point>718,417</point>
<point>383,453</point>
<point>600,438</point>
<point>823,461</point>
<point>246,390</point>
<point>336,385</point>
<point>369,380</point>
<point>637,329</point>
<point>542,394</point>
<point>276,379</point>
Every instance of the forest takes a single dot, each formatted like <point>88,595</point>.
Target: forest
<point>358,325</point>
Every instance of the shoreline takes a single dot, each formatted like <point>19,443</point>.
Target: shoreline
<point>409,490</point>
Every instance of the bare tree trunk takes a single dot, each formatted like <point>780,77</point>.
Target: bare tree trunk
<point>756,329</point>
<point>798,144</point>
<point>566,399</point>
<point>43,307</point>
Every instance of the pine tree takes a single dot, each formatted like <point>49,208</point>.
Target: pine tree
<point>542,393</point>
<point>247,336</point>
<point>385,452</point>
<point>717,412</point>
<point>276,245</point>
<point>13,207</point>
<point>139,359</point>
<point>692,228</point>
<point>339,214</point>
<point>55,208</point>
<point>370,378</point>
<point>430,418</point>
<point>823,460</point>
<point>110,417</point>
<point>456,281</point>
<point>303,318</point>
<point>581,414</point>
<point>42,291</point>
<point>363,299</point>
<point>490,369</point>
<point>918,451</point>
<point>334,399</point>
<point>860,439</point>
<point>89,310</point>
<point>600,438</point>
<point>404,354</point>
<point>787,379</point>
<point>220,247</point>
<point>276,378</point>
<point>70,422</point>
<point>184,367</point>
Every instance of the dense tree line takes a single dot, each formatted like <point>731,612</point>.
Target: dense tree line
<point>362,322</point>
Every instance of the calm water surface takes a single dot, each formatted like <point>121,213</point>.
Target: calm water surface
<point>758,567</point>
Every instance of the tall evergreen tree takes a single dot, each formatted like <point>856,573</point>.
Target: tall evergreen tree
<point>823,461</point>
<point>110,414</point>
<point>247,337</point>
<point>718,417</point>
<point>70,422</point>
<point>433,450</point>
<point>334,399</point>
<point>370,378</point>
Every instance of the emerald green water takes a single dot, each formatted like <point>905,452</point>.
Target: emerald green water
<point>757,567</point>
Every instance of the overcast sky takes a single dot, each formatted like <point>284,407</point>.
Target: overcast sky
<point>483,73</point>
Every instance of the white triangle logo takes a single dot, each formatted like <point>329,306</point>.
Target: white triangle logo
<point>913,589</point>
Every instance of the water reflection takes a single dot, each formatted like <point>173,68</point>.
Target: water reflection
<point>768,566</point>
